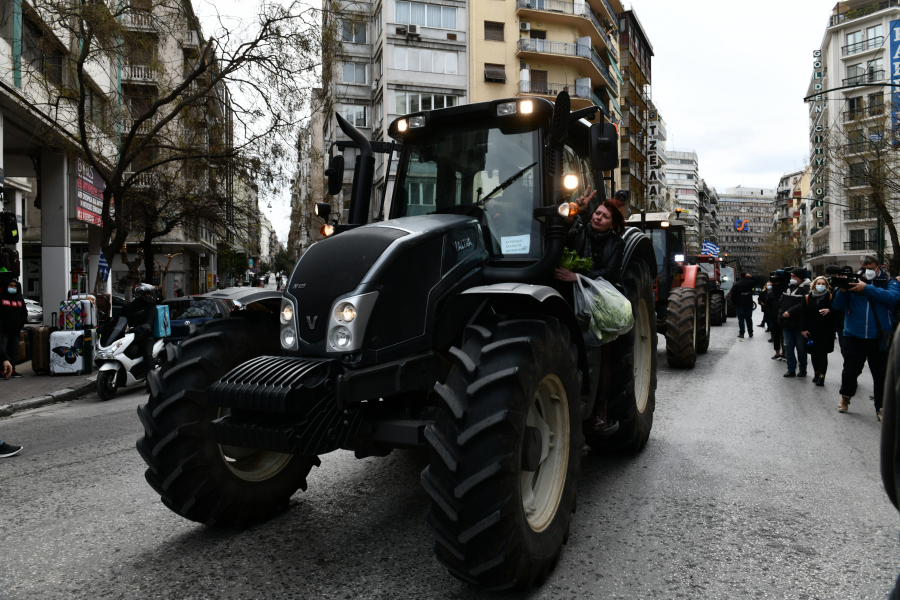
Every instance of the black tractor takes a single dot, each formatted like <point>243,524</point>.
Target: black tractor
<point>440,326</point>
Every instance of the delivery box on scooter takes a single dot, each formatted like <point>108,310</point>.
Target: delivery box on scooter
<point>162,327</point>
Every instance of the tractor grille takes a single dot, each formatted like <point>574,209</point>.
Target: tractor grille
<point>273,384</point>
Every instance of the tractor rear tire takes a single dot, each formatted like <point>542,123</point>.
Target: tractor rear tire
<point>681,328</point>
<point>702,289</point>
<point>632,394</point>
<point>196,477</point>
<point>717,309</point>
<point>497,524</point>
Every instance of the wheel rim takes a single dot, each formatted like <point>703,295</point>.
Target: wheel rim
<point>542,489</point>
<point>250,464</point>
<point>642,356</point>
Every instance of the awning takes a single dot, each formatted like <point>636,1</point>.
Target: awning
<point>495,73</point>
<point>612,63</point>
<point>615,105</point>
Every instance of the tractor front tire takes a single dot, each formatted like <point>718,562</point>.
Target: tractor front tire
<point>717,309</point>
<point>506,453</point>
<point>632,393</point>
<point>195,476</point>
<point>702,293</point>
<point>729,305</point>
<point>681,328</point>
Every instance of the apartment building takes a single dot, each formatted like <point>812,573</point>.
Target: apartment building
<point>396,57</point>
<point>684,180</point>
<point>746,217</point>
<point>855,55</point>
<point>636,59</point>
<point>709,213</point>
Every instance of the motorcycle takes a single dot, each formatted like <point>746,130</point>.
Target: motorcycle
<point>120,359</point>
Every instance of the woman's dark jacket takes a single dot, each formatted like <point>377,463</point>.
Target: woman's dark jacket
<point>13,313</point>
<point>821,328</point>
<point>606,251</point>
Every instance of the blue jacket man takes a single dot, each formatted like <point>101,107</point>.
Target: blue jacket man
<point>874,290</point>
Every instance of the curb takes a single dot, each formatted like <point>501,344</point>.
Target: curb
<point>63,395</point>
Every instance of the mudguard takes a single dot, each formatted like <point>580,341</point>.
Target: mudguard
<point>111,365</point>
<point>638,246</point>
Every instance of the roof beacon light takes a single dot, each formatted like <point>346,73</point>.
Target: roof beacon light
<point>327,229</point>
<point>506,109</point>
<point>567,209</point>
<point>415,122</point>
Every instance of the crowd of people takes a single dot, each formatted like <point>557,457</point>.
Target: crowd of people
<point>805,317</point>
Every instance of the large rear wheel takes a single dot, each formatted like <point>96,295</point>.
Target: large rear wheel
<point>681,328</point>
<point>196,477</point>
<point>716,309</point>
<point>506,448</point>
<point>702,292</point>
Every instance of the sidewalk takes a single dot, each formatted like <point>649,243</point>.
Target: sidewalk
<point>38,390</point>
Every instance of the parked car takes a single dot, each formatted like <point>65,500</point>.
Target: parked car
<point>35,311</point>
<point>193,310</point>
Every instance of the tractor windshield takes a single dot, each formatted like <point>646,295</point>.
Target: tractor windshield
<point>481,172</point>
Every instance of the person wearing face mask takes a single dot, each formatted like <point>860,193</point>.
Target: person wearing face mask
<point>13,315</point>
<point>791,322</point>
<point>601,241</point>
<point>818,326</point>
<point>868,307</point>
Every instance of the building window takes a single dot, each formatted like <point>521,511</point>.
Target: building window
<point>410,103</point>
<point>378,24</point>
<point>41,54</point>
<point>426,15</point>
<point>493,31</point>
<point>495,73</point>
<point>425,60</point>
<point>355,114</point>
<point>354,32</point>
<point>354,73</point>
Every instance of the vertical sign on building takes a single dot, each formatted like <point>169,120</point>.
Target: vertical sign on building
<point>653,158</point>
<point>895,73</point>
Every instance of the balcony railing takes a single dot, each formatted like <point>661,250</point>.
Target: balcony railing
<point>855,245</point>
<point>867,77</point>
<point>855,181</point>
<point>860,214</point>
<point>862,46</point>
<point>860,113</point>
<point>569,8</point>
<point>862,11</point>
<point>190,39</point>
<point>819,251</point>
<point>566,49</point>
<point>142,181</point>
<point>138,20</point>
<point>552,89</point>
<point>139,73</point>
<point>144,128</point>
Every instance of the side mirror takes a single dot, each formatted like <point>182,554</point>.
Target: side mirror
<point>335,174</point>
<point>604,146</point>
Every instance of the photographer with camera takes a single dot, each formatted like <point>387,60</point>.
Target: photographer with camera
<point>868,300</point>
<point>791,321</point>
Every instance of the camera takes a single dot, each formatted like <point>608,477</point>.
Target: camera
<point>841,277</point>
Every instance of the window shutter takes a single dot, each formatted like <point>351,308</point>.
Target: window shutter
<point>496,73</point>
<point>493,31</point>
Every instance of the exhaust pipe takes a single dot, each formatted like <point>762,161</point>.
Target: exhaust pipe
<point>363,174</point>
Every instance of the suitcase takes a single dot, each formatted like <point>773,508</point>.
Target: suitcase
<point>24,347</point>
<point>104,307</point>
<point>40,347</point>
<point>163,326</point>
<point>71,352</point>
<point>78,313</point>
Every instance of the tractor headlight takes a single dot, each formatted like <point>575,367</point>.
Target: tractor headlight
<point>287,313</point>
<point>567,209</point>
<point>401,125</point>
<point>679,258</point>
<point>570,182</point>
<point>346,312</point>
<point>527,107</point>
<point>416,122</point>
<point>341,337</point>
<point>506,109</point>
<point>288,338</point>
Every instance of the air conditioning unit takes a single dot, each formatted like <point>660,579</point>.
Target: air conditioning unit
<point>412,30</point>
<point>374,85</point>
<point>524,26</point>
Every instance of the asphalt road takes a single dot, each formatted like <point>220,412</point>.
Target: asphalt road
<point>752,486</point>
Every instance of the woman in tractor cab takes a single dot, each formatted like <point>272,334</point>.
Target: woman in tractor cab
<point>600,239</point>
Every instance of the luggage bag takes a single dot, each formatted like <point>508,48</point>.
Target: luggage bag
<point>40,346</point>
<point>163,326</point>
<point>71,352</point>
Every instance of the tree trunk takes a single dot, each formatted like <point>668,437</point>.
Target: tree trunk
<point>149,265</point>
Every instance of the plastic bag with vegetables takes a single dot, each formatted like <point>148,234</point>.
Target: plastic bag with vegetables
<point>573,262</point>
<point>610,311</point>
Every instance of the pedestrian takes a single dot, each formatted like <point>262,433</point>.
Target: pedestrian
<point>890,439</point>
<point>791,321</point>
<point>742,298</point>
<point>773,304</point>
<point>818,327</point>
<point>13,316</point>
<point>868,306</point>
<point>761,299</point>
<point>601,240</point>
<point>619,200</point>
<point>7,450</point>
<point>141,315</point>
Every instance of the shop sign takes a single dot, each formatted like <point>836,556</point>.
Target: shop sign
<point>89,194</point>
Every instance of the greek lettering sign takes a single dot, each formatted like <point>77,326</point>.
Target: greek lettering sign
<point>895,70</point>
<point>89,194</point>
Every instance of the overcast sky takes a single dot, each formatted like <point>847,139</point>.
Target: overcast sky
<point>728,78</point>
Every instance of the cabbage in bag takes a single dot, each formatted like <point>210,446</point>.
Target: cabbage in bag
<point>610,311</point>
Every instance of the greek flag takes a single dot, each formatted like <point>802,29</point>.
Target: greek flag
<point>875,137</point>
<point>710,249</point>
<point>103,268</point>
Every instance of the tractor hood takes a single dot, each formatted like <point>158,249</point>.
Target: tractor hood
<point>409,261</point>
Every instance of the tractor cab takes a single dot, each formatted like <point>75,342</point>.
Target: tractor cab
<point>667,236</point>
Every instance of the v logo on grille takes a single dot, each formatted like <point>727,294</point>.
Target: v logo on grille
<point>311,321</point>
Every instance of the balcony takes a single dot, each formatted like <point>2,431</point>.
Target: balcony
<point>190,41</point>
<point>142,181</point>
<point>863,113</point>
<point>541,48</point>
<point>863,11</point>
<point>140,74</point>
<point>852,182</point>
<point>819,251</point>
<point>143,129</point>
<point>860,245</point>
<point>138,21</point>
<point>550,90</point>
<point>869,44</point>
<point>866,78</point>
<point>860,214</point>
<point>560,11</point>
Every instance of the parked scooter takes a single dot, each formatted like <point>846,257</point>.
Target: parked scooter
<point>120,359</point>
